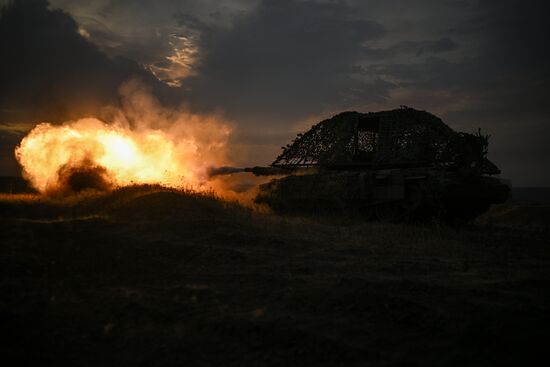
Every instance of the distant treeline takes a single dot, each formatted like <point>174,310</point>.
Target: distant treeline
<point>533,194</point>
<point>14,185</point>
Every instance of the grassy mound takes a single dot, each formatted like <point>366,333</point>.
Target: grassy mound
<point>138,202</point>
<point>152,276</point>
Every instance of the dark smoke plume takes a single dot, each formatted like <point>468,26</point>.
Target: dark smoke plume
<point>84,176</point>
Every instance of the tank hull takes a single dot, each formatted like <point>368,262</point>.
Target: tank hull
<point>394,194</point>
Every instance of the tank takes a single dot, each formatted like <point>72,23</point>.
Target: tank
<point>402,164</point>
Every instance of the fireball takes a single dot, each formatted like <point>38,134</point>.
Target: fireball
<point>92,153</point>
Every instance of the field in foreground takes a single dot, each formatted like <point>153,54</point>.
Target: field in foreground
<point>152,277</point>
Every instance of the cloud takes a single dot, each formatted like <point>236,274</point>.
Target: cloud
<point>274,66</point>
<point>49,71</point>
<point>405,50</point>
<point>284,60</point>
<point>161,35</point>
<point>499,82</point>
<point>507,70</point>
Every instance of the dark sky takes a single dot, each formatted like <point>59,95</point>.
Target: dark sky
<point>275,67</point>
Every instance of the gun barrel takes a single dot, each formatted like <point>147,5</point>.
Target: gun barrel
<point>257,171</point>
<point>224,170</point>
<point>267,171</point>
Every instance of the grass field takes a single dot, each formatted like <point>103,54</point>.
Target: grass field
<point>146,276</point>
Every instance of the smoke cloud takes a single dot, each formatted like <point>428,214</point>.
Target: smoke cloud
<point>141,142</point>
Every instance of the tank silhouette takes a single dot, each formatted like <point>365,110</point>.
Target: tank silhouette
<point>400,164</point>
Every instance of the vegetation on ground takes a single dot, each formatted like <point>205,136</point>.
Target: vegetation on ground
<point>159,277</point>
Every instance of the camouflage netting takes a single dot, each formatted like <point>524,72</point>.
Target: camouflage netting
<point>403,136</point>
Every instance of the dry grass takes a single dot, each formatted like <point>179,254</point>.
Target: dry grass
<point>159,277</point>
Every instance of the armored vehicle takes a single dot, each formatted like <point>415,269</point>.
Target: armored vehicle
<point>402,164</point>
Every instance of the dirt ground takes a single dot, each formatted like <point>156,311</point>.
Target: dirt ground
<point>153,277</point>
